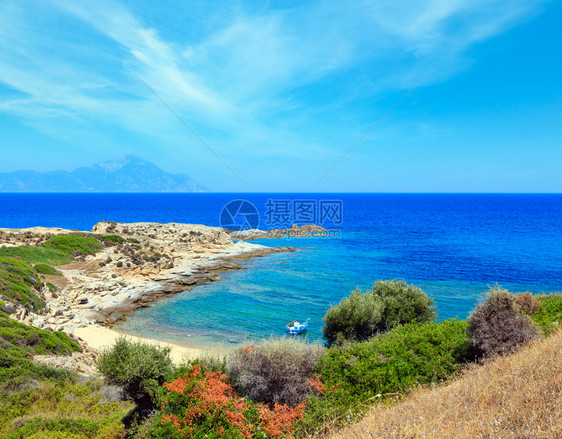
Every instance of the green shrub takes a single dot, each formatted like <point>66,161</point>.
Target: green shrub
<point>114,238</point>
<point>47,269</point>
<point>277,370</point>
<point>37,255</point>
<point>212,362</point>
<point>548,314</point>
<point>19,283</point>
<point>75,244</point>
<point>16,373</point>
<point>386,305</point>
<point>19,340</point>
<point>139,368</point>
<point>387,365</point>
<point>78,409</point>
<point>498,326</point>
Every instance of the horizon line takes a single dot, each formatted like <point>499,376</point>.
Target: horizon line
<point>279,192</point>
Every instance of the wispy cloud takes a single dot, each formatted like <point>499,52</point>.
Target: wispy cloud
<point>249,80</point>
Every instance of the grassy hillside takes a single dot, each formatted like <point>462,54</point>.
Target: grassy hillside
<point>57,250</point>
<point>512,396</point>
<point>37,255</point>
<point>67,409</point>
<point>19,283</point>
<point>18,343</point>
<point>39,402</point>
<point>360,374</point>
<point>21,267</point>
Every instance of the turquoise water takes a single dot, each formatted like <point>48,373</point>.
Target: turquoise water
<point>452,246</point>
<point>257,302</point>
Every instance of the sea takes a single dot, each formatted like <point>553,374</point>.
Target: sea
<point>453,246</point>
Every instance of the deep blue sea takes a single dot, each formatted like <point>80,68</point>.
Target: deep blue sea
<point>452,246</point>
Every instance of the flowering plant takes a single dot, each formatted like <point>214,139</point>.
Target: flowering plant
<point>203,402</point>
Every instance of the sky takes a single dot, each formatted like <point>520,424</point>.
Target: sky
<point>289,96</point>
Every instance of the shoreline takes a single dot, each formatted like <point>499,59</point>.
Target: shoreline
<point>149,261</point>
<point>101,337</point>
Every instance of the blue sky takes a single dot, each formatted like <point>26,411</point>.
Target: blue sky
<point>281,90</point>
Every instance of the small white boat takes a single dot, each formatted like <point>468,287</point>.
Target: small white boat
<point>295,327</point>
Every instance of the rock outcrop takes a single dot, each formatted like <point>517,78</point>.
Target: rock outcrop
<point>140,263</point>
<point>304,231</point>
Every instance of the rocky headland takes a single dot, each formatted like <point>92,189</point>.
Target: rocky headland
<point>138,264</point>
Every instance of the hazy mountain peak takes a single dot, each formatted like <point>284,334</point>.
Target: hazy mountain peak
<point>126,173</point>
<point>122,161</point>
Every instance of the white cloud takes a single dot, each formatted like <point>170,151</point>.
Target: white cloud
<point>244,82</point>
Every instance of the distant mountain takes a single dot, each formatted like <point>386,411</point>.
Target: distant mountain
<point>128,173</point>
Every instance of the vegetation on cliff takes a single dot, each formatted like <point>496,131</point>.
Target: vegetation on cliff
<point>59,249</point>
<point>40,401</point>
<point>515,396</point>
<point>47,269</point>
<point>37,255</point>
<point>19,343</point>
<point>20,284</point>
<point>21,267</point>
<point>76,244</point>
<point>382,345</point>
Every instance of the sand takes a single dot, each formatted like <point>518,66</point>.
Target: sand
<point>100,337</point>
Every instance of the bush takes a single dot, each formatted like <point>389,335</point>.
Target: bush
<point>19,282</point>
<point>277,370</point>
<point>114,238</point>
<point>16,373</point>
<point>139,368</point>
<point>37,255</point>
<point>526,302</point>
<point>548,315</point>
<point>498,326</point>
<point>386,305</point>
<point>75,244</point>
<point>386,366</point>
<point>19,340</point>
<point>47,269</point>
<point>44,411</point>
<point>202,403</point>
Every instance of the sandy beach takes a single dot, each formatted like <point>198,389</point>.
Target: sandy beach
<point>101,337</point>
<point>138,264</point>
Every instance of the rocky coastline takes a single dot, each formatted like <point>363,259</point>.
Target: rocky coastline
<point>147,262</point>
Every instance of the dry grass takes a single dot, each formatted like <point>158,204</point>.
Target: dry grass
<point>515,396</point>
